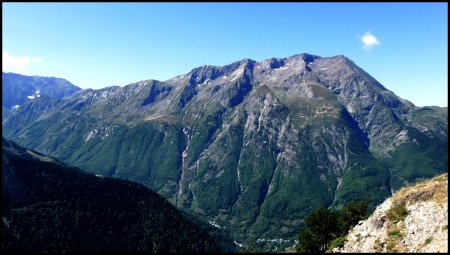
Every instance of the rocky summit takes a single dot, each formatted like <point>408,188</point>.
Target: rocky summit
<point>252,146</point>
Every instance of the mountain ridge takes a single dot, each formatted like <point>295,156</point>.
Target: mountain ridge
<point>237,143</point>
<point>18,89</point>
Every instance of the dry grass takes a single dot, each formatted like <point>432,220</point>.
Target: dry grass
<point>435,189</point>
<point>395,234</point>
<point>378,246</point>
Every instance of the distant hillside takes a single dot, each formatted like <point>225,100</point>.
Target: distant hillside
<point>415,219</point>
<point>18,89</point>
<point>50,207</point>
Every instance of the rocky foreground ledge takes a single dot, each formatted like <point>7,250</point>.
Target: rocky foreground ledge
<point>414,219</point>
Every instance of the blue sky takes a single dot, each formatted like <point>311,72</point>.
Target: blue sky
<point>95,45</point>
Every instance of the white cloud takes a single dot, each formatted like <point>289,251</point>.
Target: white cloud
<point>36,60</point>
<point>17,64</point>
<point>369,41</point>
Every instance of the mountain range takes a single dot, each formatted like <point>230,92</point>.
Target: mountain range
<point>252,146</point>
<point>18,89</point>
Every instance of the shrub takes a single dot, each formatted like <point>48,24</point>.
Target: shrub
<point>327,228</point>
<point>307,242</point>
<point>395,233</point>
<point>351,214</point>
<point>428,241</point>
<point>338,242</point>
<point>397,212</point>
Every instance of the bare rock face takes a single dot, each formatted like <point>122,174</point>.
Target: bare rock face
<point>415,219</point>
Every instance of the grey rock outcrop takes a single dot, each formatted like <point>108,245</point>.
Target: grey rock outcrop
<point>424,228</point>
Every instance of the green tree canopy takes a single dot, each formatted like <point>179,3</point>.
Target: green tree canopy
<point>325,225</point>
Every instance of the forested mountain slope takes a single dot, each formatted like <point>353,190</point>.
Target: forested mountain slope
<point>50,207</point>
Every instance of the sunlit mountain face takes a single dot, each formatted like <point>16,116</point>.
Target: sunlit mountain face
<point>251,146</point>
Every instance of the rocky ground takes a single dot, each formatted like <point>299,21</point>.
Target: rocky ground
<point>415,219</point>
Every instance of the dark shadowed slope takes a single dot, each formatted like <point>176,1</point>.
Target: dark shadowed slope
<point>50,207</point>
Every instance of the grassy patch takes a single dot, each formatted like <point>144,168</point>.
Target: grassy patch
<point>378,245</point>
<point>445,227</point>
<point>397,212</point>
<point>391,246</point>
<point>393,239</point>
<point>338,242</point>
<point>395,233</point>
<point>428,241</point>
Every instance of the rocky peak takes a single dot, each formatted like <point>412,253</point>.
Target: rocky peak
<point>206,73</point>
<point>303,56</point>
<point>276,63</point>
